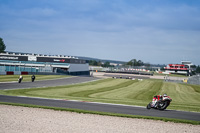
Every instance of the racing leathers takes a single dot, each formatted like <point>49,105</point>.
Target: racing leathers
<point>155,100</point>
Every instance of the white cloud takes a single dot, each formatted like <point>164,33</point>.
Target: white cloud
<point>114,30</point>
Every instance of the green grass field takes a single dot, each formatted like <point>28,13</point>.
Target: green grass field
<point>10,78</point>
<point>121,91</point>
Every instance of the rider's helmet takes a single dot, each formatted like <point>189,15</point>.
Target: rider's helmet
<point>164,95</point>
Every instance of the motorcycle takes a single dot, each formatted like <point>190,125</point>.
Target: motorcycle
<point>33,78</point>
<point>161,104</point>
<point>20,79</point>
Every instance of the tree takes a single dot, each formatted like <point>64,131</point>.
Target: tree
<point>134,62</point>
<point>106,64</point>
<point>93,63</point>
<point>198,69</point>
<point>140,63</point>
<point>130,63</point>
<point>2,46</point>
<point>99,63</point>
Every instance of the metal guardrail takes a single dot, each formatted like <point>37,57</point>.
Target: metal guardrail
<point>131,72</point>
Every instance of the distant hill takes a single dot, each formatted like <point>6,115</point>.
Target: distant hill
<point>101,60</point>
<point>114,61</point>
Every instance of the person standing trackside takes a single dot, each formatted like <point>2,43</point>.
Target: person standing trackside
<point>20,79</point>
<point>33,78</point>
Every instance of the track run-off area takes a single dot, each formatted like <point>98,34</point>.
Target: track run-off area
<point>123,96</point>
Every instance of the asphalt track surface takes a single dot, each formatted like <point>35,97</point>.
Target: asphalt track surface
<point>45,83</point>
<point>83,105</point>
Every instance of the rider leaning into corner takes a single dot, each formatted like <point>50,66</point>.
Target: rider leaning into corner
<point>156,99</point>
<point>160,102</point>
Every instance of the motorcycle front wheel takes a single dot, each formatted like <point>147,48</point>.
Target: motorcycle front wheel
<point>149,106</point>
<point>163,105</point>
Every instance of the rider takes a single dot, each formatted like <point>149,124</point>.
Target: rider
<point>20,79</point>
<point>156,99</point>
<point>33,78</point>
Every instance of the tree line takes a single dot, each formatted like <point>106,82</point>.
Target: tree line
<point>2,46</point>
<point>99,63</point>
<point>135,62</point>
<point>132,62</point>
<point>197,69</point>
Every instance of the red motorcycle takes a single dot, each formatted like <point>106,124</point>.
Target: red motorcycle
<point>160,102</point>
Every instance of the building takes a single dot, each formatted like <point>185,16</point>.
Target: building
<point>26,63</point>
<point>186,67</point>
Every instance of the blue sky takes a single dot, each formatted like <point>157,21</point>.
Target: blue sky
<point>154,31</point>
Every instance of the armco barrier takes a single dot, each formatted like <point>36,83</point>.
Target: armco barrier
<point>24,73</point>
<point>9,73</point>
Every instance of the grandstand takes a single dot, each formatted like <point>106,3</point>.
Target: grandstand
<point>185,68</point>
<point>26,63</point>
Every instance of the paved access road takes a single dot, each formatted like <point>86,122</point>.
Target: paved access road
<point>87,105</point>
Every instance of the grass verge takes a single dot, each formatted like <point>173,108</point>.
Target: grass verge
<point>120,91</point>
<point>106,114</point>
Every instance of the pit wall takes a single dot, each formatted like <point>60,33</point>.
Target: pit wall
<point>14,73</point>
<point>45,73</point>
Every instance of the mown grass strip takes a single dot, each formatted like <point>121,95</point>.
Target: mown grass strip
<point>86,93</point>
<point>195,87</point>
<point>106,113</point>
<point>147,92</point>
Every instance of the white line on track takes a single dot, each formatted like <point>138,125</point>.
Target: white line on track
<point>83,101</point>
<point>122,105</point>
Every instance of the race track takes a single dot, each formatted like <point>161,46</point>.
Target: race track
<point>46,83</point>
<point>113,108</point>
